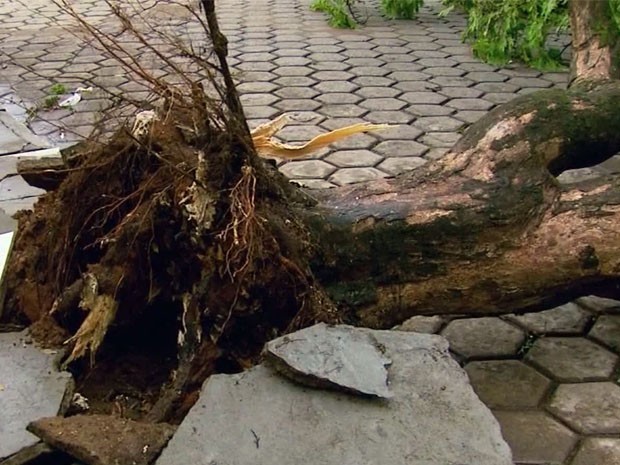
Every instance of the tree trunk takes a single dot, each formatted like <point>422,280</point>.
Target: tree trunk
<point>595,45</point>
<point>488,229</point>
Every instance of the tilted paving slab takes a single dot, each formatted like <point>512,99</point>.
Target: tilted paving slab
<point>483,337</point>
<point>599,304</point>
<point>261,417</point>
<point>606,330</point>
<point>507,384</point>
<point>589,408</point>
<point>598,451</point>
<point>535,437</point>
<point>30,388</point>
<point>572,359</point>
<point>567,319</point>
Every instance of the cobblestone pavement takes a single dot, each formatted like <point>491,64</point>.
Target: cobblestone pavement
<point>551,378</point>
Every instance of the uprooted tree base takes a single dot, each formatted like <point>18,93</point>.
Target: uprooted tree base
<point>181,247</point>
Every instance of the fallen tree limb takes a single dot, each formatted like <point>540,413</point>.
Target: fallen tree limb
<point>488,229</point>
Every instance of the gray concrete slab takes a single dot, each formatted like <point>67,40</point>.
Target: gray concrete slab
<point>30,388</point>
<point>260,417</point>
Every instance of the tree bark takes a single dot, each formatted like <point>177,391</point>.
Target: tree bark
<point>595,45</point>
<point>488,229</point>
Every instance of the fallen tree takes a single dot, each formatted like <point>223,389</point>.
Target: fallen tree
<point>176,247</point>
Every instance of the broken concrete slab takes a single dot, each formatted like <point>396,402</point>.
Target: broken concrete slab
<point>261,417</point>
<point>30,388</point>
<point>332,357</point>
<point>104,439</point>
<point>16,137</point>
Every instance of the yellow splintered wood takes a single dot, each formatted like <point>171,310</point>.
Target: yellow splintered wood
<point>268,147</point>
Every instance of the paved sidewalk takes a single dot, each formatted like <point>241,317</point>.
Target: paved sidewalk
<point>287,59</point>
<point>552,379</point>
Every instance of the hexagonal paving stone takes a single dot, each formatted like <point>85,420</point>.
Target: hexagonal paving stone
<point>436,62</point>
<point>351,175</point>
<point>291,52</point>
<point>417,86</point>
<point>353,158</point>
<point>461,92</point>
<point>377,92</point>
<point>256,87</point>
<point>296,92</point>
<point>606,330</point>
<point>428,98</point>
<point>483,337</point>
<point>565,319</point>
<point>422,324</point>
<point>507,384</point>
<point>440,139</point>
<point>258,99</point>
<point>436,153</point>
<point>325,48</point>
<point>572,359</point>
<point>398,165</point>
<point>295,81</point>
<point>332,76</point>
<point>339,98</point>
<point>469,116</point>
<point>520,71</point>
<point>529,82</point>
<point>470,104</point>
<point>499,97</point>
<point>401,76</point>
<point>401,131</point>
<point>444,71</point>
<point>598,451</point>
<point>329,65</point>
<point>292,61</point>
<point>438,123</point>
<point>599,304</point>
<point>336,86</point>
<point>401,148</point>
<point>496,87</point>
<point>260,111</point>
<point>261,56</point>
<point>429,110</point>
<point>347,111</point>
<point>589,408</point>
<point>358,141</point>
<point>257,76</point>
<point>256,66</point>
<point>372,81</point>
<point>307,169</point>
<point>369,71</point>
<point>298,104</point>
<point>535,437</point>
<point>483,76</point>
<point>452,81</point>
<point>389,117</point>
<point>383,104</point>
<point>295,71</point>
<point>365,62</point>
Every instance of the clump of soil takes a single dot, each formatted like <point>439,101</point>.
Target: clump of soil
<point>165,259</point>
